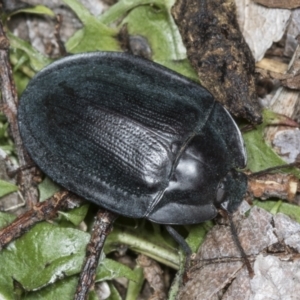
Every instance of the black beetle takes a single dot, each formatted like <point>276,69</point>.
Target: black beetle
<point>133,137</point>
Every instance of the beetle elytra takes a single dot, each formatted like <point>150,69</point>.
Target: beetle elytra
<point>133,137</point>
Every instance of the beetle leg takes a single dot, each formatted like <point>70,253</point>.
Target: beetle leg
<point>239,246</point>
<point>180,240</point>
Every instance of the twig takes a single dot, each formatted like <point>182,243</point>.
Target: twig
<point>102,227</point>
<point>46,210</point>
<point>10,102</point>
<point>61,46</point>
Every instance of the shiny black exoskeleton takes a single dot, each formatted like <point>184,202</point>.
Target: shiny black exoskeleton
<point>134,138</point>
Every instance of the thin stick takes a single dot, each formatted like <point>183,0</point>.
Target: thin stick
<point>61,46</point>
<point>46,210</point>
<point>101,229</point>
<point>10,102</point>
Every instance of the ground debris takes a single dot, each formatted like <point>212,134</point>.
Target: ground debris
<point>278,185</point>
<point>154,275</point>
<point>218,271</point>
<point>219,53</point>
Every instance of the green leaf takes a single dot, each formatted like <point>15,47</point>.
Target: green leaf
<point>158,29</point>
<point>153,20</point>
<point>183,67</point>
<point>114,293</point>
<point>37,61</point>
<point>21,80</point>
<point>134,287</point>
<point>94,36</point>
<point>38,9</point>
<point>176,284</point>
<point>260,155</point>
<point>47,188</point>
<point>145,241</point>
<point>197,235</point>
<point>110,269</point>
<point>65,287</point>
<point>6,219</point>
<point>7,188</point>
<point>293,211</point>
<point>77,215</point>
<point>41,256</point>
<point>121,8</point>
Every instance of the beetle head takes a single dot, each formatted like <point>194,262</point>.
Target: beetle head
<point>231,190</point>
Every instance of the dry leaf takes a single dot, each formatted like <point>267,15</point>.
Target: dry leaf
<point>287,144</point>
<point>219,272</point>
<point>154,275</point>
<point>288,4</point>
<point>292,32</point>
<point>261,26</point>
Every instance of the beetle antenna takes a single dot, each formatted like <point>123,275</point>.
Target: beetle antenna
<point>239,245</point>
<point>262,172</point>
